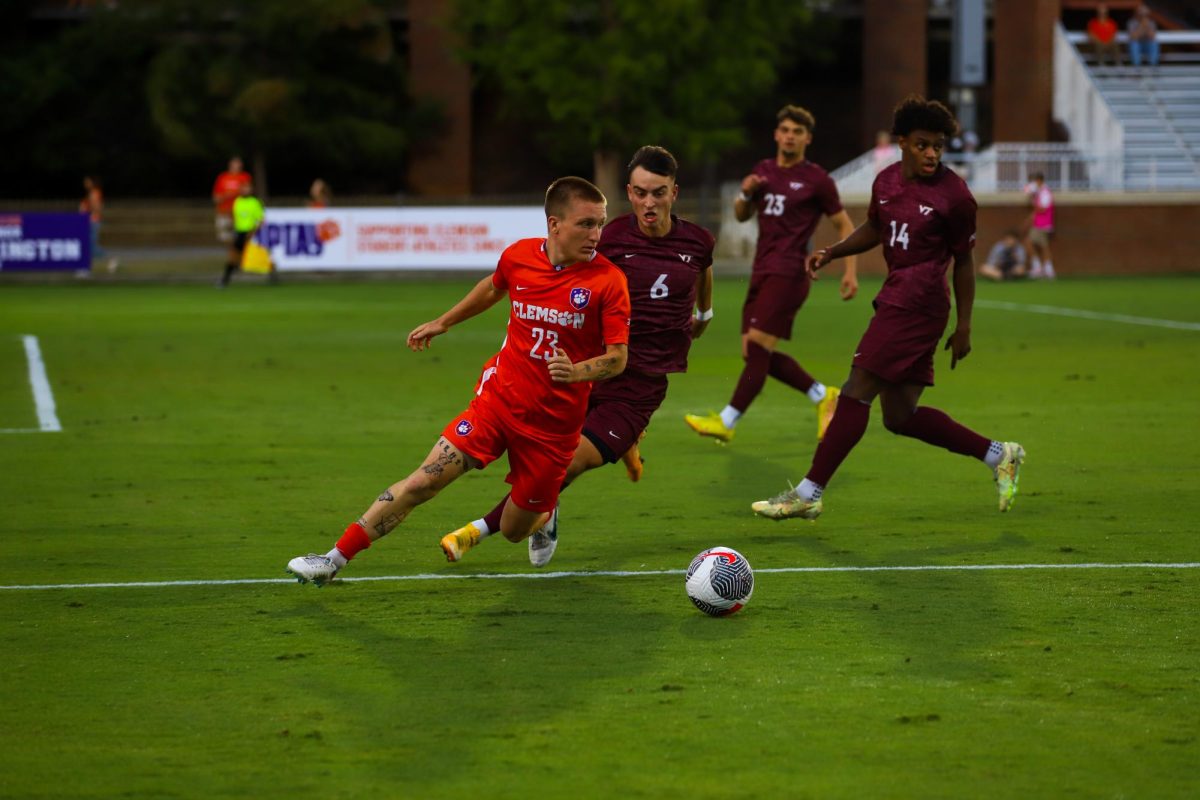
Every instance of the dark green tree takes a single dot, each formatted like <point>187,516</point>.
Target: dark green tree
<point>305,87</point>
<point>606,76</point>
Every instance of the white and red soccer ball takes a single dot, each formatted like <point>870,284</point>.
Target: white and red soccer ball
<point>720,581</point>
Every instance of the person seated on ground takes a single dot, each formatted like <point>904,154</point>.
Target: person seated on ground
<point>1102,36</point>
<point>1006,261</point>
<point>1143,38</point>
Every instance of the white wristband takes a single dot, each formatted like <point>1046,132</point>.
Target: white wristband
<point>745,198</point>
<point>704,316</point>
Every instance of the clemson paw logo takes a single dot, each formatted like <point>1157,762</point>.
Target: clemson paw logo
<point>580,297</point>
<point>328,230</point>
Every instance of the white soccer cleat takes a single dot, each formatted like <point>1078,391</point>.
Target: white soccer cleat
<point>544,541</point>
<point>1008,474</point>
<point>313,568</point>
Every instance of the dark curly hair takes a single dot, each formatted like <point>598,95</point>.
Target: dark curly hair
<point>915,113</point>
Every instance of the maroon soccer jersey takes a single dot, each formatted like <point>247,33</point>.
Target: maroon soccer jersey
<point>790,204</point>
<point>662,273</point>
<point>922,224</point>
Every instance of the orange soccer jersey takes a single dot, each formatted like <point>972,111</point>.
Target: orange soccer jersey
<point>226,189</point>
<point>577,308</point>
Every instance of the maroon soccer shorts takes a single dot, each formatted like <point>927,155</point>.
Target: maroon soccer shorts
<point>537,465</point>
<point>772,302</point>
<point>620,409</point>
<point>899,345</point>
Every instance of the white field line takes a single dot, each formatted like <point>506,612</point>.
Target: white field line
<point>598,574</point>
<point>43,398</point>
<point>1058,311</point>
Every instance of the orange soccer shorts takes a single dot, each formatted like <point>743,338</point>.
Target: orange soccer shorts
<point>537,464</point>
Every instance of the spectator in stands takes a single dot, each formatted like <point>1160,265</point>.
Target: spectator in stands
<point>226,189</point>
<point>1041,227</point>
<point>319,194</point>
<point>92,204</point>
<point>1102,35</point>
<point>1143,38</point>
<point>1006,260</point>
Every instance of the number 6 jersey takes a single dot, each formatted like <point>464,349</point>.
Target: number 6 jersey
<point>578,308</point>
<point>662,273</point>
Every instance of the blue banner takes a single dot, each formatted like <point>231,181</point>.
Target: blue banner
<point>34,242</point>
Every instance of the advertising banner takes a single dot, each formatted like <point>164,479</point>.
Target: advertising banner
<point>424,238</point>
<point>37,241</point>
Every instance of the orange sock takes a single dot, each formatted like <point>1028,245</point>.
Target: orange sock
<point>353,541</point>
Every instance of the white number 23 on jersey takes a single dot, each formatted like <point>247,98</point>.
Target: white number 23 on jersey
<point>543,338</point>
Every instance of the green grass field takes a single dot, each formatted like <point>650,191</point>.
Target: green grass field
<point>210,436</point>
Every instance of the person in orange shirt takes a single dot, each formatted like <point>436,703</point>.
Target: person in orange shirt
<point>92,204</point>
<point>1102,34</point>
<point>226,190</point>
<point>568,326</point>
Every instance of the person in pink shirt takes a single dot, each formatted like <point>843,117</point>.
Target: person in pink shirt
<point>1041,227</point>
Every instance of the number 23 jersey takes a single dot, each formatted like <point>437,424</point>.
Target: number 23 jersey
<point>578,308</point>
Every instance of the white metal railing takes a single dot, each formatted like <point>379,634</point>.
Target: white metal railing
<point>1006,167</point>
<point>856,176</point>
<point>1079,104</point>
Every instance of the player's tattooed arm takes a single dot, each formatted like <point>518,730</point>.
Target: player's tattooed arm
<point>600,368</point>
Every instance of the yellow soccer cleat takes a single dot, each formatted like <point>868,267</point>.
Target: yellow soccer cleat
<point>456,544</point>
<point>710,425</point>
<point>825,410</point>
<point>1008,473</point>
<point>787,505</point>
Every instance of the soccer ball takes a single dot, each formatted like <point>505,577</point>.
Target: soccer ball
<point>720,581</point>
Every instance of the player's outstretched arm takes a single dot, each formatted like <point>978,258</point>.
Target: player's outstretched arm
<point>482,296</point>
<point>600,368</point>
<point>849,285</point>
<point>959,343</point>
<point>862,239</point>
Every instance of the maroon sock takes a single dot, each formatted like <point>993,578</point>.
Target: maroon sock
<point>353,541</point>
<point>754,375</point>
<point>848,425</point>
<point>492,518</point>
<point>786,369</point>
<point>937,428</point>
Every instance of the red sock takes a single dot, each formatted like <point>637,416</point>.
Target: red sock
<point>754,375</point>
<point>848,425</point>
<point>937,428</point>
<point>353,541</point>
<point>492,518</point>
<point>786,369</point>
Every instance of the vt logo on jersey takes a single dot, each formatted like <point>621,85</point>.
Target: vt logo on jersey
<point>925,209</point>
<point>796,185</point>
<point>464,428</point>
<point>685,258</point>
<point>580,297</point>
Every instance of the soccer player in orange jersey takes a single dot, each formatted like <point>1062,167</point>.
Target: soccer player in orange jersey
<point>568,326</point>
<point>668,263</point>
